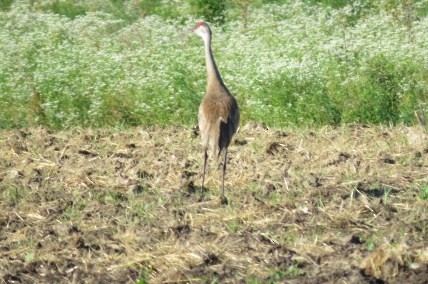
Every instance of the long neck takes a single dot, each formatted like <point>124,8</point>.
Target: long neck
<point>214,78</point>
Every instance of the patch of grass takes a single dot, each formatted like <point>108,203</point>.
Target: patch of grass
<point>233,226</point>
<point>71,213</point>
<point>254,189</point>
<point>276,198</point>
<point>288,239</point>
<point>251,279</point>
<point>13,194</point>
<point>29,257</point>
<point>140,210</point>
<point>423,193</point>
<point>73,210</point>
<point>292,271</point>
<point>144,274</point>
<point>371,243</point>
<point>115,198</point>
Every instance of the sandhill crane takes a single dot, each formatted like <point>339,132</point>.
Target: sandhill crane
<point>218,113</point>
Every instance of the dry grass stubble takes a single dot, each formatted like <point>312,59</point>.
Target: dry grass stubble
<point>331,205</point>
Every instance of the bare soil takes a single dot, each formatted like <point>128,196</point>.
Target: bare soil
<point>334,205</point>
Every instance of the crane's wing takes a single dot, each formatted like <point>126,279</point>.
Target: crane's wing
<point>218,122</point>
<point>228,126</point>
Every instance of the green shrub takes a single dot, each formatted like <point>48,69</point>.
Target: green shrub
<point>210,10</point>
<point>5,4</point>
<point>424,193</point>
<point>69,8</point>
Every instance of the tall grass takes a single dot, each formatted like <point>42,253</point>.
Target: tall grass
<point>295,63</point>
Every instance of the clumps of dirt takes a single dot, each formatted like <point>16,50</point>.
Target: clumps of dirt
<point>374,192</point>
<point>181,230</point>
<point>86,153</point>
<point>356,240</point>
<point>313,206</point>
<point>278,148</point>
<point>144,174</point>
<point>211,259</point>
<point>282,257</point>
<point>341,158</point>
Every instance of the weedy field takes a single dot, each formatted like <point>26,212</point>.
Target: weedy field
<point>298,63</point>
<point>334,205</point>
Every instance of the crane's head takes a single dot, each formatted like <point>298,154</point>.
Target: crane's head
<point>202,30</point>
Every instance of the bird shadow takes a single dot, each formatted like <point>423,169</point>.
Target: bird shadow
<point>192,190</point>
<point>202,193</point>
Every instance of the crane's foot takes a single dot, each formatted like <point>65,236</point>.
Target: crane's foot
<point>223,200</point>
<point>203,190</point>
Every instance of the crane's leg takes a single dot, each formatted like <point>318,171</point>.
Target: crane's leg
<point>203,174</point>
<point>224,172</point>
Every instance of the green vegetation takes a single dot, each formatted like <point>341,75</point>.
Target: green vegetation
<point>13,195</point>
<point>125,63</point>
<point>211,10</point>
<point>424,193</point>
<point>29,257</point>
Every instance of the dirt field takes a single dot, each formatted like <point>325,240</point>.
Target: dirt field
<point>336,205</point>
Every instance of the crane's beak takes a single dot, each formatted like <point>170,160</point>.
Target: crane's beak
<point>191,30</point>
<point>186,32</point>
